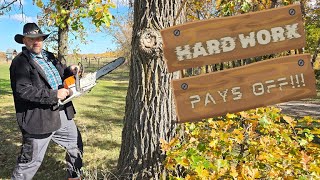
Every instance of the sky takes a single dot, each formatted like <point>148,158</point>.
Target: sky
<point>12,23</point>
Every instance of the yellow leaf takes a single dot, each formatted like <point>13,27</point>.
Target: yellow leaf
<point>164,145</point>
<point>107,24</point>
<point>202,173</point>
<point>244,114</point>
<point>314,168</point>
<point>213,143</point>
<point>105,10</point>
<point>254,123</point>
<point>170,163</point>
<point>184,162</point>
<point>192,140</point>
<point>264,141</point>
<point>188,177</point>
<point>231,116</point>
<point>316,65</point>
<point>99,15</point>
<point>233,172</point>
<point>254,173</point>
<point>174,141</point>
<point>273,173</point>
<point>305,159</point>
<point>289,120</point>
<point>239,138</point>
<point>308,119</point>
<point>192,177</point>
<point>167,146</point>
<point>315,131</point>
<point>39,3</point>
<point>98,9</point>
<point>218,4</point>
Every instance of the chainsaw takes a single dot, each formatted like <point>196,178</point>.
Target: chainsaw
<point>79,85</point>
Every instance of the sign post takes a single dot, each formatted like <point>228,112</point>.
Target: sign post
<point>231,38</point>
<point>233,90</point>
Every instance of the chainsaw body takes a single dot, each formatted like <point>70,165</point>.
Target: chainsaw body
<point>79,85</point>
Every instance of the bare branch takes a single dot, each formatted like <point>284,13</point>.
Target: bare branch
<point>5,6</point>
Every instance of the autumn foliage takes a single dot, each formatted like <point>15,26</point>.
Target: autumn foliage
<point>255,144</point>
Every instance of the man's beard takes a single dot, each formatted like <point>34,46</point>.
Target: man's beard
<point>31,49</point>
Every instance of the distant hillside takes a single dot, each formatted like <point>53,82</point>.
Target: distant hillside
<point>91,56</point>
<point>106,54</point>
<point>78,56</point>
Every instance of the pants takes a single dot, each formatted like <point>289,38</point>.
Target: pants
<point>34,147</point>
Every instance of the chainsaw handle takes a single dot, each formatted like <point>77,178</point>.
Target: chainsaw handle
<point>74,94</point>
<point>60,103</point>
<point>66,100</point>
<point>77,83</point>
<point>81,70</point>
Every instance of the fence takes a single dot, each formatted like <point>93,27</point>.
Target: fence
<point>90,64</point>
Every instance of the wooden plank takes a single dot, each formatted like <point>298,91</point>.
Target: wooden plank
<point>254,85</point>
<point>231,38</point>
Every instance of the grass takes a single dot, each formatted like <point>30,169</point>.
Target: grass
<point>99,117</point>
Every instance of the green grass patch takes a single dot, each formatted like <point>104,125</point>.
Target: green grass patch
<point>4,79</point>
<point>99,117</point>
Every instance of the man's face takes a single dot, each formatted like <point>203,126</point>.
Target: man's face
<point>33,44</point>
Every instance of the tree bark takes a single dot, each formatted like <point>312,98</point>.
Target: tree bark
<point>316,51</point>
<point>62,44</point>
<point>63,33</point>
<point>149,114</point>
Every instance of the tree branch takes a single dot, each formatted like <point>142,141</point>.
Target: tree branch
<point>4,6</point>
<point>315,54</point>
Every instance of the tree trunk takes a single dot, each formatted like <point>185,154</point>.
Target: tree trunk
<point>149,114</point>
<point>316,50</point>
<point>62,44</point>
<point>274,3</point>
<point>63,33</point>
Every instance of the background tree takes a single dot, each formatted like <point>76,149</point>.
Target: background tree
<point>140,156</point>
<point>121,31</point>
<point>67,16</point>
<point>255,144</point>
<point>313,28</point>
<point>6,6</point>
<point>149,114</point>
<point>199,10</point>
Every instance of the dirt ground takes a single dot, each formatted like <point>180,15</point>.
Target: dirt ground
<point>301,108</point>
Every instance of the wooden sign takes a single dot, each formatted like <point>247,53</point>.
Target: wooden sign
<point>230,38</point>
<point>255,85</point>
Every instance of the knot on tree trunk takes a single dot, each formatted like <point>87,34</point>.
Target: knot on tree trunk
<point>150,42</point>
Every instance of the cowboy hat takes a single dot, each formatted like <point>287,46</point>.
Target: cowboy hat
<point>30,30</point>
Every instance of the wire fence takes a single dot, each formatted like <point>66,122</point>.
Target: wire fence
<point>90,64</point>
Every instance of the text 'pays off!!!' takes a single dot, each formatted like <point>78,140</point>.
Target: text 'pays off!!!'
<point>258,89</point>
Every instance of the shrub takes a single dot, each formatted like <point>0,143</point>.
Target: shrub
<point>255,144</point>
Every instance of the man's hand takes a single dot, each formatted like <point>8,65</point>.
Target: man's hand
<point>63,93</point>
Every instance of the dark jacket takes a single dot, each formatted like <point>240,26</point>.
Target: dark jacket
<point>35,102</point>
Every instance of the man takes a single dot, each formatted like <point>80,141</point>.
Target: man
<point>36,80</point>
